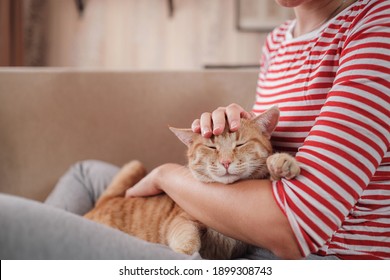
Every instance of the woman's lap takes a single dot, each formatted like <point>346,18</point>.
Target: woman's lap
<point>32,230</point>
<point>44,231</point>
<point>80,187</point>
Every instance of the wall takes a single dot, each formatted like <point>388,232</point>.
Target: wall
<point>140,34</point>
<point>11,33</point>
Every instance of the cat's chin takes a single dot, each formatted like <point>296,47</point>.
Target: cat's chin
<point>225,179</point>
<point>228,179</point>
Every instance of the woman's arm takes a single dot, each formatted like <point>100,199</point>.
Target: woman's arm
<point>245,210</point>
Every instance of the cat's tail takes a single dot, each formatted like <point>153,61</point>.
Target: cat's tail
<point>127,177</point>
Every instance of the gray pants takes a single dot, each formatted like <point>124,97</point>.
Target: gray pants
<point>56,230</point>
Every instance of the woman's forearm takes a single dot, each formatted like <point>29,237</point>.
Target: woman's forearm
<point>245,210</point>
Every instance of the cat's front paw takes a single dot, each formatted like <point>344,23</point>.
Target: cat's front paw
<point>281,165</point>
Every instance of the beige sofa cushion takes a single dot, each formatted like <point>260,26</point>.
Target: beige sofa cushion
<point>51,118</point>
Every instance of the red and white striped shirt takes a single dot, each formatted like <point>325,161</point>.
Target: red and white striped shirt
<point>333,89</point>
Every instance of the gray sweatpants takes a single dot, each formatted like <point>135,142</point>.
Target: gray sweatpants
<point>56,229</point>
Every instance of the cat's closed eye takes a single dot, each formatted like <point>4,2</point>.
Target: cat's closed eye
<point>211,147</point>
<point>240,145</point>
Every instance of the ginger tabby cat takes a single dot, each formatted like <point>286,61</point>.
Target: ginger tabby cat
<point>232,156</point>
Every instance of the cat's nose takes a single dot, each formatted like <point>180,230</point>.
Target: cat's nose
<point>226,163</point>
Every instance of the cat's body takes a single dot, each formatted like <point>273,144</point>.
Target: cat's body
<point>245,154</point>
<point>158,219</point>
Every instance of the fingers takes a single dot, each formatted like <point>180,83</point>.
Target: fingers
<point>196,126</point>
<point>234,113</point>
<point>218,120</point>
<point>206,125</point>
<point>203,125</point>
<point>214,123</point>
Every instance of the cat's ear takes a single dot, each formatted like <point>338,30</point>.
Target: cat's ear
<point>268,120</point>
<point>186,136</point>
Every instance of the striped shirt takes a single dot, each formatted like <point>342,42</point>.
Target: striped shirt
<point>332,86</point>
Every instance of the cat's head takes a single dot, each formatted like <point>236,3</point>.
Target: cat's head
<point>231,156</point>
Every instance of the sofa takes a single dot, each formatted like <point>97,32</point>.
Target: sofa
<point>51,118</point>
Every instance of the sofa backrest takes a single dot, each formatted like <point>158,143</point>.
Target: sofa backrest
<point>52,118</point>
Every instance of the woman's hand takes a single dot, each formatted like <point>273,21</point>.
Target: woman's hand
<point>214,123</point>
<point>153,183</point>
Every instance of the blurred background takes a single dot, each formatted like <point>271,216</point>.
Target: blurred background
<point>136,34</point>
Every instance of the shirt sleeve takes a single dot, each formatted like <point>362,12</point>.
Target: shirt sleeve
<point>348,141</point>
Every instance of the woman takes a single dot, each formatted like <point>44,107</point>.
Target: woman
<point>330,77</point>
<point>329,72</point>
